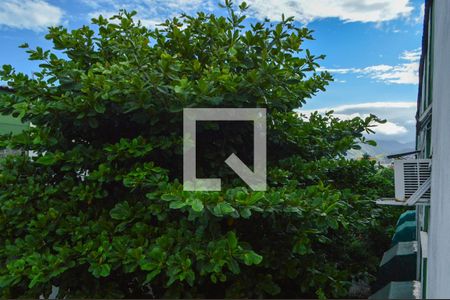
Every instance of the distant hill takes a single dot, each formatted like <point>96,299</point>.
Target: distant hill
<point>383,149</point>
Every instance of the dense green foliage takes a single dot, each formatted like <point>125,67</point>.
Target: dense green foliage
<point>98,210</point>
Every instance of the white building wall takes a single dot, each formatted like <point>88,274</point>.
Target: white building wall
<point>438,273</point>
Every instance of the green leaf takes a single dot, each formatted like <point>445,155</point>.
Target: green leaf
<point>177,204</point>
<point>150,276</point>
<point>36,279</point>
<point>232,240</point>
<point>99,108</point>
<point>170,197</point>
<point>105,270</point>
<point>93,123</point>
<point>47,160</point>
<point>232,51</point>
<point>100,270</point>
<point>372,143</point>
<point>121,211</point>
<point>233,266</point>
<point>251,258</point>
<point>223,208</point>
<point>245,213</point>
<point>6,280</point>
<point>197,205</point>
<point>301,247</point>
<point>270,287</point>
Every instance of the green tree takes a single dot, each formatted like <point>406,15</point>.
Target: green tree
<point>97,207</point>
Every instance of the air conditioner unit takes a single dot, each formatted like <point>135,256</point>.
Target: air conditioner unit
<point>412,180</point>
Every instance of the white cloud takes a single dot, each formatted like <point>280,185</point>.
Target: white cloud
<point>304,11</point>
<point>346,10</point>
<point>419,18</point>
<point>404,73</point>
<point>390,128</point>
<point>146,21</point>
<point>399,115</point>
<point>35,15</point>
<point>367,106</point>
<point>413,55</point>
<point>407,73</point>
<point>150,12</point>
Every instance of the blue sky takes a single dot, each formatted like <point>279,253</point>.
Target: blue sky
<point>372,46</point>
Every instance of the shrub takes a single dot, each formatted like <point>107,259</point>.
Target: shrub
<point>98,209</point>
